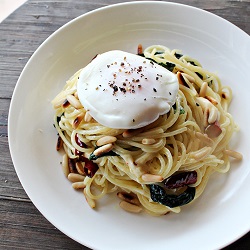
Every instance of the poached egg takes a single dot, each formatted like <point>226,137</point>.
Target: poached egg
<point>126,91</point>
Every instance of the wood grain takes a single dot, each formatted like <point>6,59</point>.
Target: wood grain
<point>21,224</point>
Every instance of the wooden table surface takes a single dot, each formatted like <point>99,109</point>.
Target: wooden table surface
<point>21,224</point>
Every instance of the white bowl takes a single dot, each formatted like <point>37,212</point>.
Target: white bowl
<point>220,216</point>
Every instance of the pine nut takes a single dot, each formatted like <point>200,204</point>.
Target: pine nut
<point>74,102</point>
<point>130,207</point>
<point>72,165</point>
<point>225,95</point>
<point>87,117</point>
<point>75,177</point>
<point>65,104</point>
<point>149,141</point>
<point>90,201</point>
<point>76,95</point>
<point>202,153</point>
<point>106,140</point>
<point>58,104</point>
<point>78,185</point>
<point>210,111</point>
<point>181,79</point>
<point>152,178</point>
<point>234,154</point>
<point>77,121</point>
<point>131,132</point>
<point>204,138</point>
<point>65,165</point>
<point>128,197</point>
<point>213,115</point>
<point>103,149</point>
<point>80,167</point>
<point>211,99</point>
<point>203,89</point>
<point>59,143</point>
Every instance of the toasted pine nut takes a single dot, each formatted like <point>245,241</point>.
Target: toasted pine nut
<point>75,177</point>
<point>202,153</point>
<point>72,165</point>
<point>77,121</point>
<point>58,104</point>
<point>87,117</point>
<point>147,141</point>
<point>203,89</point>
<point>130,207</point>
<point>59,143</point>
<point>74,102</point>
<point>224,95</point>
<point>103,149</point>
<point>152,178</point>
<point>78,185</point>
<point>181,79</point>
<point>128,197</point>
<point>106,140</point>
<point>204,138</point>
<point>211,99</point>
<point>131,132</point>
<point>234,154</point>
<point>80,167</point>
<point>65,165</point>
<point>90,201</point>
<point>65,104</point>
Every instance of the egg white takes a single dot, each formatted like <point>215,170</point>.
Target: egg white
<point>126,91</point>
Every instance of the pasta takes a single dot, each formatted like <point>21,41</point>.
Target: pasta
<point>190,142</point>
